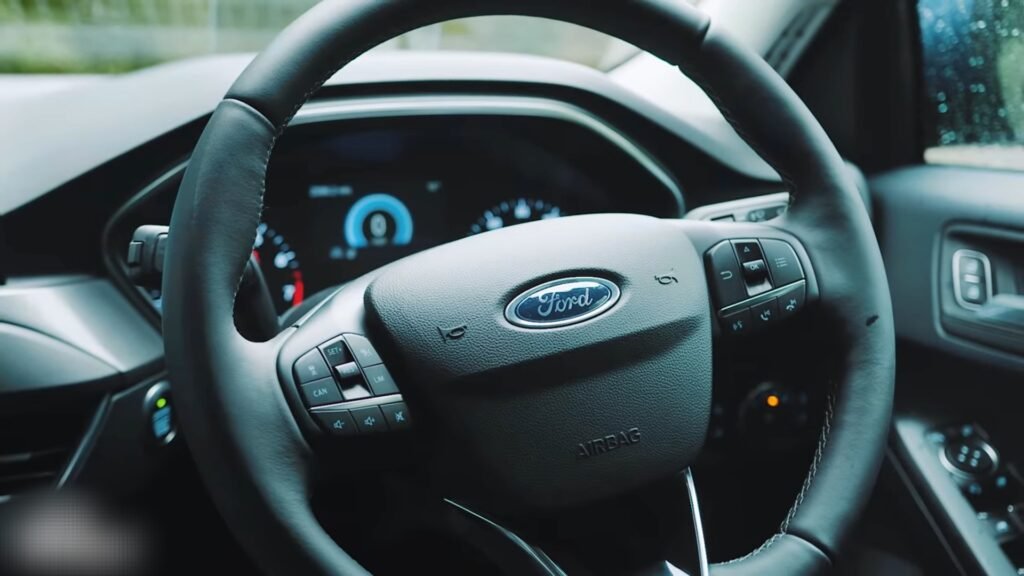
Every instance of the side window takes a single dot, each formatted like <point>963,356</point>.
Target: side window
<point>973,57</point>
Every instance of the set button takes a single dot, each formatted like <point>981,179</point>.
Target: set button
<point>336,352</point>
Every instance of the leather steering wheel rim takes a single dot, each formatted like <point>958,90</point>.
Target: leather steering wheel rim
<point>259,476</point>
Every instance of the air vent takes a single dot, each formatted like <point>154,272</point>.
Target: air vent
<point>797,35</point>
<point>37,441</point>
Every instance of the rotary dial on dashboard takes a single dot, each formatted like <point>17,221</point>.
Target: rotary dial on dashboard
<point>516,211</point>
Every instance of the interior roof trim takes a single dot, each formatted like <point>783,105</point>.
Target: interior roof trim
<point>458,105</point>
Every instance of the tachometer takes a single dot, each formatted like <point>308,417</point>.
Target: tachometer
<point>280,268</point>
<point>516,211</point>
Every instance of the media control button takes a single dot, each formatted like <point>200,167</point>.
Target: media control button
<point>791,301</point>
<point>369,420</point>
<point>337,422</point>
<point>765,313</point>
<point>738,323</point>
<point>397,415</point>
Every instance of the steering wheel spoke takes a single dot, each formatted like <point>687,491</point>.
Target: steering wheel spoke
<point>581,545</point>
<point>760,277</point>
<point>334,377</point>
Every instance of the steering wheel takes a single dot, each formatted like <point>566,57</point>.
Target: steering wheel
<point>545,366</point>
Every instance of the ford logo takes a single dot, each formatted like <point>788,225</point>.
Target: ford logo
<point>562,302</point>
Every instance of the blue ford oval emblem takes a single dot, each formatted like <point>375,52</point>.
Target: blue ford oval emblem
<point>562,302</point>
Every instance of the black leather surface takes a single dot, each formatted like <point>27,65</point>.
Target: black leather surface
<point>829,218</point>
<point>232,409</point>
<point>236,421</point>
<point>783,555</point>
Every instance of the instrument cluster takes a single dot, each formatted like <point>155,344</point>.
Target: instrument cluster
<point>345,198</point>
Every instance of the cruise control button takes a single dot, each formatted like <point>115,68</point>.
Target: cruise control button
<point>791,301</point>
<point>363,351</point>
<point>337,422</point>
<point>380,380</point>
<point>336,353</point>
<point>347,370</point>
<point>782,262</point>
<point>355,389</point>
<point>369,420</point>
<point>765,313</point>
<point>311,366</point>
<point>726,278</point>
<point>320,392</point>
<point>397,415</point>
<point>738,323</point>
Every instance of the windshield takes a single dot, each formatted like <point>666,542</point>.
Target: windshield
<point>110,36</point>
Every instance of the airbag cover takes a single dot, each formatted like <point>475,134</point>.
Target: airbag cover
<point>562,414</point>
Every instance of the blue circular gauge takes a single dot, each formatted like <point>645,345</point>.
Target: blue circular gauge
<point>378,220</point>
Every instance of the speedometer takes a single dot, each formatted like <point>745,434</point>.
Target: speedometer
<point>516,211</point>
<point>280,267</point>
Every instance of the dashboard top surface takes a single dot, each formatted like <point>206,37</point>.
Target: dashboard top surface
<point>147,104</point>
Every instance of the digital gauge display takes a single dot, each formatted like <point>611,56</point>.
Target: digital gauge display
<point>378,220</point>
<point>516,211</point>
<point>343,199</point>
<point>338,229</point>
<point>280,266</point>
<point>347,198</point>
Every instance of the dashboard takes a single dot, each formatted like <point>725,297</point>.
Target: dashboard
<point>351,188</point>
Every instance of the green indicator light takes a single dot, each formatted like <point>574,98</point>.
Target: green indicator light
<point>161,402</point>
